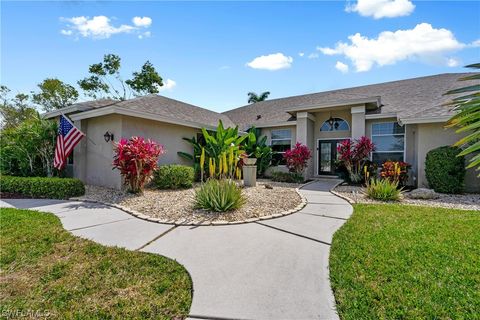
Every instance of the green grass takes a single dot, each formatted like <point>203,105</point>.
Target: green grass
<point>407,262</point>
<point>43,267</point>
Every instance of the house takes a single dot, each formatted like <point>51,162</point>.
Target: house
<point>405,119</point>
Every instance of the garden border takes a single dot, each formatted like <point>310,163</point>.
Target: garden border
<point>181,222</point>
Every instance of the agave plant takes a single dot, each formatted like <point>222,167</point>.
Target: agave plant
<point>467,118</point>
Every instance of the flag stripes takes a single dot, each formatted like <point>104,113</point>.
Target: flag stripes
<point>67,138</point>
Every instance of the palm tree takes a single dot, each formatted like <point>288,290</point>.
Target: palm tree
<point>467,118</point>
<point>254,98</point>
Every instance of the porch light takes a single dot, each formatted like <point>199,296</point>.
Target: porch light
<point>332,123</point>
<point>108,136</point>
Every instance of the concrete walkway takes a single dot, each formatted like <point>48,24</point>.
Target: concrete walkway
<point>271,269</point>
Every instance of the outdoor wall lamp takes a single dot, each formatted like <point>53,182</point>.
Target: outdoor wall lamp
<point>108,136</point>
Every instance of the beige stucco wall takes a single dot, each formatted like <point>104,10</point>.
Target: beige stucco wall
<point>321,117</point>
<point>431,136</point>
<point>93,156</point>
<point>169,135</point>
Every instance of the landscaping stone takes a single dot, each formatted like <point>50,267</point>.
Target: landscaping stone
<point>422,193</point>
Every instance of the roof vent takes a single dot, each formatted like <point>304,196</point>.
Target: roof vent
<point>259,116</point>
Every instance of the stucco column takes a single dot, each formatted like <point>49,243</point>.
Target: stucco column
<point>80,152</point>
<point>305,135</point>
<point>358,121</point>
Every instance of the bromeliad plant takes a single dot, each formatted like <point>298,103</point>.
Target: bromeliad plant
<point>136,158</point>
<point>354,155</point>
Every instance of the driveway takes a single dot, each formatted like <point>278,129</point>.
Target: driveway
<point>270,269</point>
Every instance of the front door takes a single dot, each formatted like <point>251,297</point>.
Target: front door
<point>327,156</point>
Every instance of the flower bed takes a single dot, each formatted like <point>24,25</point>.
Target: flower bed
<point>177,205</point>
<point>468,201</point>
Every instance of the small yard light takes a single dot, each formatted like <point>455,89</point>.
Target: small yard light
<point>108,136</point>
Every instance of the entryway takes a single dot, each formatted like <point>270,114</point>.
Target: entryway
<point>327,156</point>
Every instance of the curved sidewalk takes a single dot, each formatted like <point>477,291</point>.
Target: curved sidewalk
<point>270,269</point>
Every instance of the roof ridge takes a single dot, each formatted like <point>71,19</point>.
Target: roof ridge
<point>347,89</point>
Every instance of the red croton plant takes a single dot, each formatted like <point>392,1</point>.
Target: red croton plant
<point>297,158</point>
<point>395,171</point>
<point>136,158</point>
<point>354,154</point>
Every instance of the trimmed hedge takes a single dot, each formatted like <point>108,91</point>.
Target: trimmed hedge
<point>174,176</point>
<point>41,187</point>
<point>444,170</point>
<point>289,177</point>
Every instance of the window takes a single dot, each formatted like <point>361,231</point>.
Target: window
<point>389,140</point>
<point>281,141</point>
<point>335,124</point>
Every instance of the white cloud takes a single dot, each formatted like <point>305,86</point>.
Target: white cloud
<point>142,22</point>
<point>313,56</point>
<point>100,27</point>
<point>168,85</point>
<point>342,67</point>
<point>475,43</point>
<point>382,8</point>
<point>272,62</point>
<point>422,42</point>
<point>146,34</point>
<point>301,54</point>
<point>452,62</point>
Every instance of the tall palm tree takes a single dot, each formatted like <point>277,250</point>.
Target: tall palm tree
<point>254,98</point>
<point>467,118</point>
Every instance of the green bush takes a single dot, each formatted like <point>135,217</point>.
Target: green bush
<point>174,176</point>
<point>445,171</point>
<point>289,177</point>
<point>219,195</point>
<point>41,187</point>
<point>383,190</point>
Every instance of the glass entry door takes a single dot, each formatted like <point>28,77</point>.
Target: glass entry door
<point>327,156</point>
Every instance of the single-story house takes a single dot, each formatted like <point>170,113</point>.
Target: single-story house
<point>405,119</point>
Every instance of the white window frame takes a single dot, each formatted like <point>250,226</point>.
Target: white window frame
<point>284,139</point>
<point>404,134</point>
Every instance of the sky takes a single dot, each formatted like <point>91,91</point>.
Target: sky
<point>211,54</point>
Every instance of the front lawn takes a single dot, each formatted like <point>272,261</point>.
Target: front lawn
<point>407,262</point>
<point>45,269</point>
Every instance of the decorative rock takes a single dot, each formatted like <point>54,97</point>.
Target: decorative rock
<point>268,186</point>
<point>422,193</point>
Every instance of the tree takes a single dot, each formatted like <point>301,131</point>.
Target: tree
<point>467,118</point>
<point>105,80</point>
<point>254,98</point>
<point>28,148</point>
<point>54,94</point>
<point>14,111</point>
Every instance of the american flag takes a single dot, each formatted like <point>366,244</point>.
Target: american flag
<point>67,138</point>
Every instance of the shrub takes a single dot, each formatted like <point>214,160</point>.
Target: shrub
<point>41,187</point>
<point>395,171</point>
<point>289,177</point>
<point>174,176</point>
<point>219,195</point>
<point>445,170</point>
<point>297,158</point>
<point>354,155</point>
<point>136,158</point>
<point>383,190</point>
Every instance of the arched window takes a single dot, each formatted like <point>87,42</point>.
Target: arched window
<point>335,124</point>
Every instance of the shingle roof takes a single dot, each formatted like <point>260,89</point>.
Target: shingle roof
<point>406,98</point>
<point>175,110</point>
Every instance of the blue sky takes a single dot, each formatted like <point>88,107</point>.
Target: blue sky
<point>208,49</point>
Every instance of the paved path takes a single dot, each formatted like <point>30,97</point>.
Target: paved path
<point>271,269</point>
